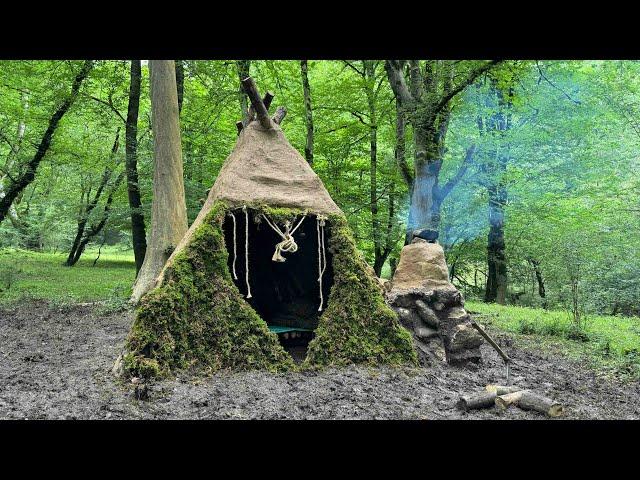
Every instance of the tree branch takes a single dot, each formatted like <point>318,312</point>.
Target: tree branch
<point>108,104</point>
<point>450,185</point>
<point>577,102</point>
<point>471,77</point>
<point>353,67</point>
<point>396,80</point>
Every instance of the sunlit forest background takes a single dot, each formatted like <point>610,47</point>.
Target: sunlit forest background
<point>560,171</point>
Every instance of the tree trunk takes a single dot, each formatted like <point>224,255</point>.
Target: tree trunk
<point>29,173</point>
<point>85,211</point>
<point>243,72</point>
<point>169,211</point>
<point>96,229</point>
<point>497,124</point>
<point>424,211</point>
<point>427,102</point>
<point>308,114</point>
<point>496,288</point>
<point>180,83</point>
<point>539,278</point>
<point>131,146</point>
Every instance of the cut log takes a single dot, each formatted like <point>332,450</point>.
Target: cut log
<point>502,389</point>
<point>476,401</point>
<point>505,401</point>
<point>279,115</point>
<point>239,126</point>
<point>528,400</point>
<point>262,114</point>
<point>538,403</point>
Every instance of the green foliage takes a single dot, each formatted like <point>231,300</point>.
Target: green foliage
<point>43,276</point>
<point>610,343</point>
<point>572,176</point>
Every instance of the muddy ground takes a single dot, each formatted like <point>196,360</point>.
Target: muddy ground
<point>55,362</point>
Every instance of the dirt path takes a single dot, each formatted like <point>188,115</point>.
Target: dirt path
<point>54,364</point>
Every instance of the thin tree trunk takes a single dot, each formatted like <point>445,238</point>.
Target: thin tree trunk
<point>180,83</point>
<point>308,113</point>
<point>400,152</point>
<point>169,211</point>
<point>243,67</point>
<point>78,245</point>
<point>29,173</point>
<point>539,279</point>
<point>131,146</point>
<point>499,123</point>
<point>369,79</point>
<point>96,229</point>
<point>496,288</point>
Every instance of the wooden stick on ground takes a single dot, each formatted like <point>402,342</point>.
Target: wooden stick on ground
<point>538,403</point>
<point>491,341</point>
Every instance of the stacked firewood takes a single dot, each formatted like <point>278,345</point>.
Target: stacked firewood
<point>502,397</point>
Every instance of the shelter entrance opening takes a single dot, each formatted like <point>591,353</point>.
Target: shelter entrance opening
<point>285,260</point>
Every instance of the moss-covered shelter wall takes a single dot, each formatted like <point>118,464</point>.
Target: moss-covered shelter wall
<point>198,320</point>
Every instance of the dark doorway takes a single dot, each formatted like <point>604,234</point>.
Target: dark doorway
<point>285,294</point>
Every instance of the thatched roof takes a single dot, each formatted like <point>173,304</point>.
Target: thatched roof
<point>264,168</point>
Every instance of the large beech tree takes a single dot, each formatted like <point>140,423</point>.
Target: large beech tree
<point>425,91</point>
<point>169,211</point>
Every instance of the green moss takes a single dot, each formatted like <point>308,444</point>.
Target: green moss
<point>357,326</point>
<point>198,320</point>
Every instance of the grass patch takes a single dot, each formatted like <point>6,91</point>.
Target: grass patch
<point>40,275</point>
<point>611,344</point>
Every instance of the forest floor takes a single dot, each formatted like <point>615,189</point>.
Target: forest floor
<point>55,363</point>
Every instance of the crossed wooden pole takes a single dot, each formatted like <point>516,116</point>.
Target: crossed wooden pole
<point>259,107</point>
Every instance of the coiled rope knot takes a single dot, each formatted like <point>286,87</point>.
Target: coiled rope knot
<point>288,243</point>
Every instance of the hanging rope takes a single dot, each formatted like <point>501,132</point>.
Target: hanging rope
<point>246,250</point>
<point>235,252</point>
<point>288,244</point>
<point>322,255</point>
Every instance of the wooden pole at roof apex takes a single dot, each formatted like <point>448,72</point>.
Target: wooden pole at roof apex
<point>267,99</point>
<point>279,115</point>
<point>251,90</point>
